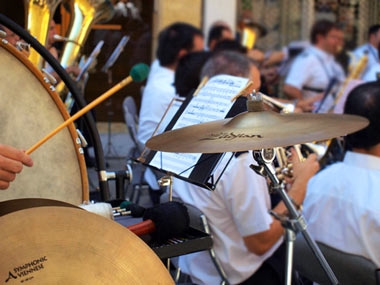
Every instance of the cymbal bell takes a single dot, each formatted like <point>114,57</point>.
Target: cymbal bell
<point>256,130</point>
<point>64,245</point>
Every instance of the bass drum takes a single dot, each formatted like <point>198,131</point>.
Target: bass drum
<point>29,110</point>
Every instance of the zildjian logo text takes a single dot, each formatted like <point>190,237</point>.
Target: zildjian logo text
<point>231,136</point>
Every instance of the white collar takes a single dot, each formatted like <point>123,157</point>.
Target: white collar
<point>321,53</point>
<point>362,160</point>
<point>165,69</point>
<point>372,47</point>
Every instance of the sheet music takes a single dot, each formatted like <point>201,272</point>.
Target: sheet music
<point>213,102</point>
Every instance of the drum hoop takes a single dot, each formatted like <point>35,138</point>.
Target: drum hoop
<point>61,107</point>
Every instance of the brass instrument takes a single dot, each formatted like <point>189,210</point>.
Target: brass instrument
<point>85,13</point>
<point>38,15</point>
<point>248,38</point>
<point>284,107</point>
<point>355,73</point>
<point>282,154</point>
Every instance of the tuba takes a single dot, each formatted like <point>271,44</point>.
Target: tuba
<point>85,13</point>
<point>38,15</point>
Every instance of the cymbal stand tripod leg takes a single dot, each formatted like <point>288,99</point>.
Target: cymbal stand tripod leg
<point>296,221</point>
<point>290,236</point>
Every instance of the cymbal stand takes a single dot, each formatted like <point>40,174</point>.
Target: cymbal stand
<point>295,222</point>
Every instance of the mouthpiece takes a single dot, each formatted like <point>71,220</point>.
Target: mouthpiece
<point>59,38</point>
<point>63,39</point>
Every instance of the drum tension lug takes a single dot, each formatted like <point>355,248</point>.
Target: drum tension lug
<point>82,140</point>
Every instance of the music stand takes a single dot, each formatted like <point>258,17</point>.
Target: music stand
<point>203,106</point>
<point>107,69</point>
<point>69,102</point>
<point>115,54</point>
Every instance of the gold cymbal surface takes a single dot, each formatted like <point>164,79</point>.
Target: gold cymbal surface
<point>256,130</point>
<point>63,245</point>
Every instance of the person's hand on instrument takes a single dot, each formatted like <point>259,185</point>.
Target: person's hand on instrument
<point>11,163</point>
<point>307,105</point>
<point>75,70</point>
<point>302,172</point>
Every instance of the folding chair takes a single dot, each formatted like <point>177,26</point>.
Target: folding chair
<point>199,221</point>
<point>348,268</point>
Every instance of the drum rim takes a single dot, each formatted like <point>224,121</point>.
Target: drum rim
<point>10,206</point>
<point>61,107</point>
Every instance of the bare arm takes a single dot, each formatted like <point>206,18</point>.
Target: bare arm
<point>292,92</point>
<point>260,243</point>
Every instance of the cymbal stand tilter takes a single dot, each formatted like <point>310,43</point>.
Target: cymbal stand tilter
<point>295,222</point>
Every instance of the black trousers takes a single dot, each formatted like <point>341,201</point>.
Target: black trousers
<point>272,271</point>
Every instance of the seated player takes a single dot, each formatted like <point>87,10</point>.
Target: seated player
<point>246,237</point>
<point>342,205</point>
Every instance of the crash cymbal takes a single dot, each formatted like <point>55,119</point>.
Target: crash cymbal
<point>63,245</point>
<point>256,130</point>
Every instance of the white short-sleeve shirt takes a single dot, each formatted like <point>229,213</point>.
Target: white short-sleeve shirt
<point>373,74</point>
<point>157,95</point>
<point>312,71</point>
<point>373,57</point>
<point>238,207</point>
<point>342,206</point>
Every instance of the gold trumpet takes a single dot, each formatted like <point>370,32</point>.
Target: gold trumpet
<point>38,15</point>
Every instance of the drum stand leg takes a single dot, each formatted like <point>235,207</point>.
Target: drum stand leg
<point>296,222</point>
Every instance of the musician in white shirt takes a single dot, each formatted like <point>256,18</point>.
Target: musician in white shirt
<point>245,235</point>
<point>342,204</point>
<point>315,69</point>
<point>371,50</point>
<point>174,42</point>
